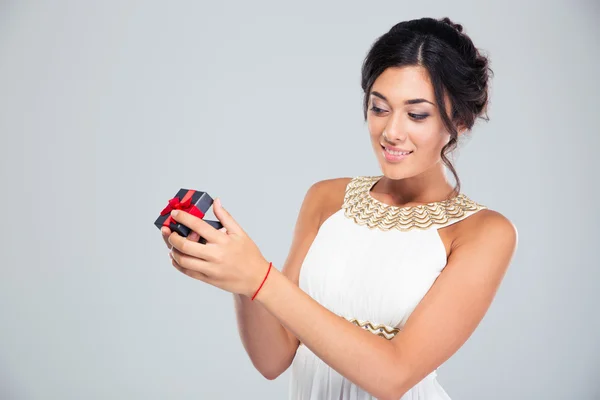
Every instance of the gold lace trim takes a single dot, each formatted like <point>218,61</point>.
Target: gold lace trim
<point>364,209</point>
<point>384,331</point>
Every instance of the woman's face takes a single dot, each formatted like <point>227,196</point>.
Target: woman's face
<point>405,116</point>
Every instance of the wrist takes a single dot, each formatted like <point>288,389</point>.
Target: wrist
<point>260,281</point>
<point>268,287</point>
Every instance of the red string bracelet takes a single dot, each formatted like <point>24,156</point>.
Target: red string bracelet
<point>263,282</point>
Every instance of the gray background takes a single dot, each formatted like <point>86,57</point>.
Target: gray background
<point>107,108</point>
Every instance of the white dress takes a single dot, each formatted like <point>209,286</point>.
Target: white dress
<point>372,263</point>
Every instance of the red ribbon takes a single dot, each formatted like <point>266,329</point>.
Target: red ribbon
<point>184,204</point>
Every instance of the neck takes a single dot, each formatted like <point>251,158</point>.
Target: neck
<point>427,187</point>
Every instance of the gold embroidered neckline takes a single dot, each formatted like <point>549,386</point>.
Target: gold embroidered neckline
<point>364,209</point>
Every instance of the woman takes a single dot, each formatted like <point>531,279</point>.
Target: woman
<point>389,275</point>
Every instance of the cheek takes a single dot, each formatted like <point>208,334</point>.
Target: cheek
<point>429,141</point>
<point>375,127</point>
<point>431,145</point>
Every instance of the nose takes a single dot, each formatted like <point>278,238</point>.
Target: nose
<point>394,131</point>
<point>394,136</point>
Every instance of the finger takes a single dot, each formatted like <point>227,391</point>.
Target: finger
<point>225,218</point>
<point>193,236</point>
<point>192,274</point>
<point>199,226</point>
<point>193,249</point>
<point>193,263</point>
<point>165,235</point>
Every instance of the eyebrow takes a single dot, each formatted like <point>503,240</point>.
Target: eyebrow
<point>410,101</point>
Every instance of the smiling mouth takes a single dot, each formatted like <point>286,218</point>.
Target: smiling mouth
<point>396,153</point>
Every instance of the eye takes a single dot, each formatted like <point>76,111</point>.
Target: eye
<point>377,110</point>
<point>418,116</point>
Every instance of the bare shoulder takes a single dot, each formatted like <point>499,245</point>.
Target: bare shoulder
<point>331,185</point>
<point>328,194</point>
<point>490,229</point>
<point>490,223</point>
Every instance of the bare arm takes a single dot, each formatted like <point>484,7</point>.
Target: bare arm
<point>269,344</point>
<point>453,308</point>
<point>439,325</point>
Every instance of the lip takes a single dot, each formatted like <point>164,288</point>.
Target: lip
<point>396,149</point>
<point>393,158</point>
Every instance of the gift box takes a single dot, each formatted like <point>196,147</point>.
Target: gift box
<point>191,201</point>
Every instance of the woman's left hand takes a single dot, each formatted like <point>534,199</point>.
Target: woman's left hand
<point>229,259</point>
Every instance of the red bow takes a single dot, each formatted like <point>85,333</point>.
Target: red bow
<point>186,205</point>
<point>176,204</point>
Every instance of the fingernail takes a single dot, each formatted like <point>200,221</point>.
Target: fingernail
<point>219,201</point>
<point>174,212</point>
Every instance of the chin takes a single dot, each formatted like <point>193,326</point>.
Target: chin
<point>394,172</point>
